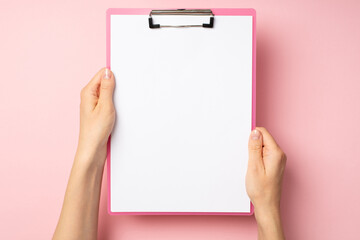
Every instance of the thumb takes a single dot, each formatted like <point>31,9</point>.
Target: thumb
<point>255,149</point>
<point>107,86</point>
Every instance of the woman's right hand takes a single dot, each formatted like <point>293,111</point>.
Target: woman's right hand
<point>263,182</point>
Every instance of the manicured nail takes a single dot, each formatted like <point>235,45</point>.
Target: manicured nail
<point>107,74</point>
<point>255,134</point>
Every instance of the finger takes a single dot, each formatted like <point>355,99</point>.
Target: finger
<point>268,140</point>
<point>90,93</point>
<point>95,81</point>
<point>255,150</point>
<point>107,87</point>
<point>273,156</point>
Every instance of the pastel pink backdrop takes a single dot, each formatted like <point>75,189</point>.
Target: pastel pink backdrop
<point>308,77</point>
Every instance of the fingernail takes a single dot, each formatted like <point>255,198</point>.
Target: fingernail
<point>255,134</point>
<point>107,74</point>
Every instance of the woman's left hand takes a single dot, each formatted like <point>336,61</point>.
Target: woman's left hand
<point>97,117</point>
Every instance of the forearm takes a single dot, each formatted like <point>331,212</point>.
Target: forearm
<point>79,215</point>
<point>269,224</point>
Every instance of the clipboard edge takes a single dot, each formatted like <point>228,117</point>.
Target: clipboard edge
<point>146,11</point>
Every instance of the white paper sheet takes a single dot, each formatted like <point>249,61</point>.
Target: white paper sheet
<point>183,102</point>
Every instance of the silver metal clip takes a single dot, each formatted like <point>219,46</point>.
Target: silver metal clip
<point>192,12</point>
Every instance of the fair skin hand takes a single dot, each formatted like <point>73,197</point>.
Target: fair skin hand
<point>263,183</point>
<point>79,215</point>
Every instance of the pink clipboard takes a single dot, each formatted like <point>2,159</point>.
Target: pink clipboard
<point>217,12</point>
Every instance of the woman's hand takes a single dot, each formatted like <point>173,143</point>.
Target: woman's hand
<point>79,215</point>
<point>97,117</point>
<point>263,182</point>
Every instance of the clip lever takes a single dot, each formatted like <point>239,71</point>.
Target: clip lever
<point>192,12</point>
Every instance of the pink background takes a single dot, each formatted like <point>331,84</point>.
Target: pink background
<point>308,75</point>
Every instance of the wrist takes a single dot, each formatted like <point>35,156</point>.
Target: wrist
<point>267,213</point>
<point>91,158</point>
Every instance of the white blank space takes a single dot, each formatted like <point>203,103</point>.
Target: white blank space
<point>183,102</point>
